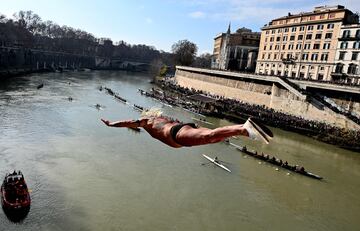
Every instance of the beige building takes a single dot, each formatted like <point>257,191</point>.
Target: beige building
<point>347,58</point>
<point>236,51</point>
<point>303,45</point>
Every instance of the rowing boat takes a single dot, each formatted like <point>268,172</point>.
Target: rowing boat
<point>274,161</point>
<point>216,163</point>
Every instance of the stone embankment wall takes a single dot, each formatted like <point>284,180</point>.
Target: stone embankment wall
<point>272,95</point>
<point>15,59</point>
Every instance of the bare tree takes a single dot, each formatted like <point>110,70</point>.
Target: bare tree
<point>204,60</point>
<point>184,52</point>
<point>27,20</point>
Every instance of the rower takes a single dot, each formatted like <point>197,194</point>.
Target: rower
<point>216,159</point>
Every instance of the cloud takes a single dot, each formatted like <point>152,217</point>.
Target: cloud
<point>197,14</point>
<point>258,12</point>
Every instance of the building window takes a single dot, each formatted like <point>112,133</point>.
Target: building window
<point>263,56</point>
<point>314,57</point>
<point>276,47</point>
<point>357,35</point>
<point>264,47</point>
<point>284,38</point>
<point>291,46</point>
<point>354,55</point>
<point>346,34</point>
<point>313,17</point>
<point>324,57</point>
<point>330,26</point>
<point>267,32</point>
<point>293,29</point>
<point>302,75</point>
<point>275,56</point>
<point>286,73</point>
<point>269,56</point>
<point>328,35</point>
<point>272,39</point>
<point>322,68</point>
<point>273,32</point>
<point>339,68</point>
<point>332,15</point>
<point>300,37</point>
<point>316,46</point>
<point>278,39</point>
<point>283,47</point>
<point>305,56</point>
<point>308,36</point>
<point>310,27</point>
<point>326,46</point>
<point>320,76</point>
<point>320,27</point>
<point>302,28</point>
<point>286,30</point>
<point>343,45</point>
<point>318,36</point>
<point>292,37</point>
<point>279,31</point>
<point>352,69</point>
<point>342,55</point>
<point>356,45</point>
<point>270,47</point>
<point>307,46</point>
<point>298,46</point>
<point>322,16</point>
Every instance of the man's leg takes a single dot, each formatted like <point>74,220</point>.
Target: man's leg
<point>188,136</point>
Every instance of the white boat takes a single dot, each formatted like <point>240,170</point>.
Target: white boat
<point>216,163</point>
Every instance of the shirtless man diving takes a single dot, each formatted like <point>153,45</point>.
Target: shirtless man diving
<point>177,134</point>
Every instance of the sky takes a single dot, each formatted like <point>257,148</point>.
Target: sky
<point>161,23</point>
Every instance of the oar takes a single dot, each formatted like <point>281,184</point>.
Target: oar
<point>224,162</point>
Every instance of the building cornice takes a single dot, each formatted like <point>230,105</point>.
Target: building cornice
<point>301,23</point>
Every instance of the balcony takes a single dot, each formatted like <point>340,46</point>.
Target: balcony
<point>288,60</point>
<point>349,38</point>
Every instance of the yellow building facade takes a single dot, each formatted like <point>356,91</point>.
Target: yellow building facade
<point>303,45</point>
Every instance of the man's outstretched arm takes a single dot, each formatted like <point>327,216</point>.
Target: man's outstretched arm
<point>125,123</point>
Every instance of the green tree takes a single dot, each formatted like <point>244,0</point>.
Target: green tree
<point>184,52</point>
<point>163,71</point>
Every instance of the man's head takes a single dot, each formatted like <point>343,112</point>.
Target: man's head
<point>152,112</point>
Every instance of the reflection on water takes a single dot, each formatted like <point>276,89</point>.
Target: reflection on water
<point>85,176</point>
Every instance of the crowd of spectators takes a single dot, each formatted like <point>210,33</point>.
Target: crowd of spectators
<point>238,111</point>
<point>342,81</point>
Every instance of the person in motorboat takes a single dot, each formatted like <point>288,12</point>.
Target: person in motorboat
<point>177,134</point>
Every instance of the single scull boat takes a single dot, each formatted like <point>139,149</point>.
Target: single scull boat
<point>216,163</point>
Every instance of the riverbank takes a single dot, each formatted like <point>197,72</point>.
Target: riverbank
<point>8,73</point>
<point>237,111</point>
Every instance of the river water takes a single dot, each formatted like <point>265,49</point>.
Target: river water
<point>85,176</point>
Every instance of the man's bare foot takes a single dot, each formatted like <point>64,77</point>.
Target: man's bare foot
<point>257,131</point>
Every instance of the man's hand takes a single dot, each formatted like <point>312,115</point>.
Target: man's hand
<point>107,122</point>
